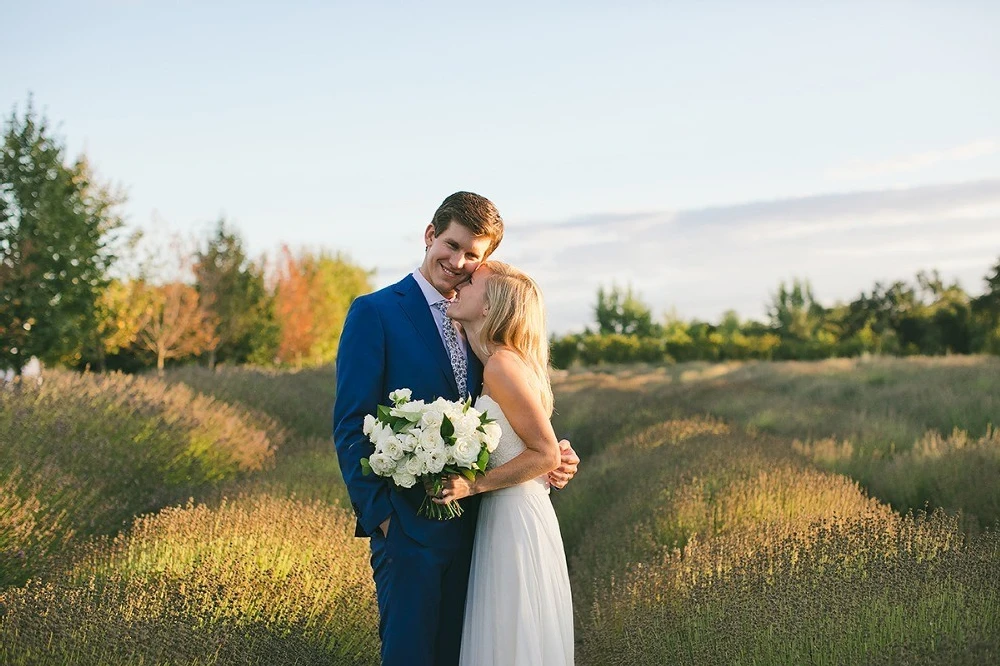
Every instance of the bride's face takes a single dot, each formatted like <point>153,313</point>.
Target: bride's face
<point>470,301</point>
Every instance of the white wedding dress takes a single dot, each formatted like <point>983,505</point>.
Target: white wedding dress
<point>519,611</point>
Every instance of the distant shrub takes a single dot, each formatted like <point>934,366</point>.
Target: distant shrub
<point>564,351</point>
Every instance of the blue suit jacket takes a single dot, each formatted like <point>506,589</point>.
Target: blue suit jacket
<point>390,341</point>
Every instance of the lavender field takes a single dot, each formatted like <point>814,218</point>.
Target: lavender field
<point>837,512</point>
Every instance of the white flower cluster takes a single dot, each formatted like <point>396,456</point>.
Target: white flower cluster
<point>414,439</point>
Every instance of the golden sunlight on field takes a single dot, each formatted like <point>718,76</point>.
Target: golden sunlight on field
<point>837,512</point>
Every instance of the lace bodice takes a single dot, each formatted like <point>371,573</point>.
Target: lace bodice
<point>510,445</point>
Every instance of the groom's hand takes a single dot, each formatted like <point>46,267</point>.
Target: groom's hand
<point>385,526</point>
<point>570,462</point>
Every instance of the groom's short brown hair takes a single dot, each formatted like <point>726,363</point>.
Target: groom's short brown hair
<point>474,212</point>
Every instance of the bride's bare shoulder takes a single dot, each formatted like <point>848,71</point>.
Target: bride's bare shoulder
<point>504,369</point>
<point>503,361</point>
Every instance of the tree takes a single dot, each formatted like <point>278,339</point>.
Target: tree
<point>794,311</point>
<point>986,311</point>
<point>336,283</point>
<point>619,311</point>
<point>233,289</point>
<point>874,321</point>
<point>564,351</point>
<point>313,294</point>
<point>293,309</point>
<point>122,310</point>
<point>174,322</point>
<point>677,340</point>
<point>948,313</point>
<point>991,298</point>
<point>56,234</point>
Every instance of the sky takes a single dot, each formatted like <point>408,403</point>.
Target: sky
<point>701,152</point>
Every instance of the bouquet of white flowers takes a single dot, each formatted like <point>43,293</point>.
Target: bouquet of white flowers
<point>418,441</point>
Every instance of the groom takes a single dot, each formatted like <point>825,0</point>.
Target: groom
<point>399,337</point>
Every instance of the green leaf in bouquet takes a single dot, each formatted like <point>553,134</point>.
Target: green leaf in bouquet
<point>366,468</point>
<point>384,416</point>
<point>469,474</point>
<point>484,458</point>
<point>447,428</point>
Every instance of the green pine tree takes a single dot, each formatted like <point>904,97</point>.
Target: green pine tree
<point>56,232</point>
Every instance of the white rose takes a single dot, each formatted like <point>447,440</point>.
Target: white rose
<point>448,408</point>
<point>382,464</point>
<point>411,411</point>
<point>465,425</point>
<point>466,450</point>
<point>491,436</point>
<point>409,440</point>
<point>404,479</point>
<point>432,418</point>
<point>379,434</point>
<point>431,440</point>
<point>393,448</point>
<point>400,395</point>
<point>415,465</point>
<point>435,460</point>
<point>369,425</point>
<point>442,405</point>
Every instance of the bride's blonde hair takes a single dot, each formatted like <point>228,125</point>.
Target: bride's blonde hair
<point>515,318</point>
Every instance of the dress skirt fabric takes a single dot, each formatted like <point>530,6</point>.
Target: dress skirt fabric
<point>519,611</point>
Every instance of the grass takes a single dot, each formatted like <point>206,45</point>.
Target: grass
<point>85,454</point>
<point>730,513</point>
<point>257,580</point>
<point>694,539</point>
<point>302,401</point>
<point>915,432</point>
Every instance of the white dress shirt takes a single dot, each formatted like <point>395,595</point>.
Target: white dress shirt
<point>433,296</point>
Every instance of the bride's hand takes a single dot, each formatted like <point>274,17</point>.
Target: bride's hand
<point>569,464</point>
<point>453,489</point>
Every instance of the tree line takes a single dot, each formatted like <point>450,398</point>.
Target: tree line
<point>925,316</point>
<point>76,291</point>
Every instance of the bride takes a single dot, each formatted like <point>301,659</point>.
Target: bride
<point>519,610</point>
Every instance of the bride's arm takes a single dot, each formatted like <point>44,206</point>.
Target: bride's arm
<point>506,377</point>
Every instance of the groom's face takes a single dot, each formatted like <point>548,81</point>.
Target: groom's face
<point>452,256</point>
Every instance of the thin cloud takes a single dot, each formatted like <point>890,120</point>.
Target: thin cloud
<point>706,261</point>
<point>914,162</point>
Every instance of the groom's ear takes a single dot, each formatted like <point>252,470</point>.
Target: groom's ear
<point>429,235</point>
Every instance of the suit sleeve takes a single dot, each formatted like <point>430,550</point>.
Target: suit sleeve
<point>360,370</point>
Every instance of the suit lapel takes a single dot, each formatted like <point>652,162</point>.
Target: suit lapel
<point>419,313</point>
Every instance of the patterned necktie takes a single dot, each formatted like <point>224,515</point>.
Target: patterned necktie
<point>452,343</point>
